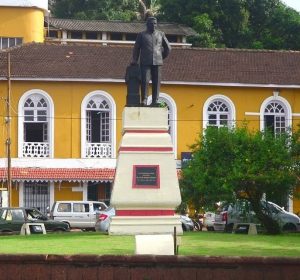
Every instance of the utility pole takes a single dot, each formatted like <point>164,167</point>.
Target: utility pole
<point>8,130</point>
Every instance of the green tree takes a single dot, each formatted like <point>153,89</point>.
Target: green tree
<point>257,24</point>
<point>207,36</point>
<point>96,9</point>
<point>273,25</point>
<point>126,10</point>
<point>233,20</point>
<point>236,23</point>
<point>199,14</point>
<point>181,11</point>
<point>230,164</point>
<point>283,29</point>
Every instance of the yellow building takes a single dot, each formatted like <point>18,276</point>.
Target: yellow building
<point>66,103</point>
<point>22,21</point>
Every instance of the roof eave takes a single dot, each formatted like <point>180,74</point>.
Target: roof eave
<point>188,83</point>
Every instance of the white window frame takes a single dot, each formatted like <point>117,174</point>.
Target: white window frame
<point>288,115</point>
<point>112,105</point>
<point>172,116</point>
<point>224,99</point>
<point>50,110</point>
<point>17,42</point>
<point>286,105</point>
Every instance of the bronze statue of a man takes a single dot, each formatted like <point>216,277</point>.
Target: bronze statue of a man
<point>151,47</point>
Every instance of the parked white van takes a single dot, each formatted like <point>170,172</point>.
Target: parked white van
<point>78,214</point>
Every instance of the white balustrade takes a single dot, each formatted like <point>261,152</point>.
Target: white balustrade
<point>41,150</point>
<point>98,150</point>
<point>36,149</point>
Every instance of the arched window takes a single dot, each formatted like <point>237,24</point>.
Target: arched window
<point>275,115</point>
<point>172,116</point>
<point>218,111</point>
<point>98,121</point>
<point>275,118</point>
<point>35,124</point>
<point>98,126</point>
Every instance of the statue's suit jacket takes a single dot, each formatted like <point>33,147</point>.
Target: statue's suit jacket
<point>152,48</point>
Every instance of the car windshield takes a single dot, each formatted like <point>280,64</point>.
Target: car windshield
<point>270,207</point>
<point>108,209</point>
<point>275,207</point>
<point>33,214</point>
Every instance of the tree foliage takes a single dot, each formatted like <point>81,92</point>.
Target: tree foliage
<point>96,9</point>
<point>207,36</point>
<point>126,10</point>
<point>257,24</point>
<point>230,164</point>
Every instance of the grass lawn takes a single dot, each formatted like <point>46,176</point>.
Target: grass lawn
<point>226,244</point>
<point>193,243</point>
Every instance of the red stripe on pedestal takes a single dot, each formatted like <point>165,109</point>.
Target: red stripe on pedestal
<point>146,149</point>
<point>151,212</point>
<point>145,131</point>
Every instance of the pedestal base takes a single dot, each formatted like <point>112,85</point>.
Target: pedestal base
<point>158,244</point>
<point>146,189</point>
<point>132,225</point>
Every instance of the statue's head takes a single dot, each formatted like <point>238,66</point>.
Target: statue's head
<point>151,24</point>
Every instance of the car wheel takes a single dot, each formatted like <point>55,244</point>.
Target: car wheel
<point>67,224</point>
<point>289,228</point>
<point>210,229</point>
<point>183,227</point>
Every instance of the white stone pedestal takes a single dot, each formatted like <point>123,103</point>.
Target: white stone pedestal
<point>146,190</point>
<point>159,244</point>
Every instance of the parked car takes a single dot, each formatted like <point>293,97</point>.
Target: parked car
<point>104,220</point>
<point>12,220</point>
<point>209,219</point>
<point>241,212</point>
<point>210,222</point>
<point>187,223</point>
<point>77,214</point>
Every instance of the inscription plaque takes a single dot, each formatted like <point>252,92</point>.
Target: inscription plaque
<point>146,176</point>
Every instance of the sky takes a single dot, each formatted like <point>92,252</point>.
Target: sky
<point>295,4</point>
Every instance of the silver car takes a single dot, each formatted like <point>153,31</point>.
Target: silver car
<point>104,219</point>
<point>187,223</point>
<point>241,212</point>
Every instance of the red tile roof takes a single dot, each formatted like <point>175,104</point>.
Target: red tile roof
<point>59,174</point>
<point>191,65</point>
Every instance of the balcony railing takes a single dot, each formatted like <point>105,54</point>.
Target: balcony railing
<point>41,150</point>
<point>36,149</point>
<point>98,150</point>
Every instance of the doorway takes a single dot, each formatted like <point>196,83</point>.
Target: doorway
<point>99,191</point>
